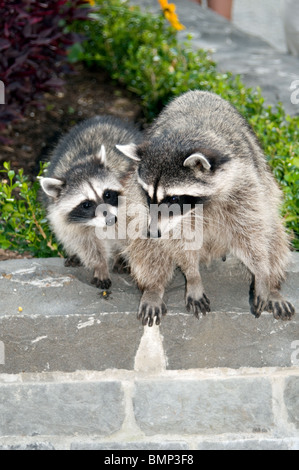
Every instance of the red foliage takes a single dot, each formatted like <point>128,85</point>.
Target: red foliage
<point>33,46</point>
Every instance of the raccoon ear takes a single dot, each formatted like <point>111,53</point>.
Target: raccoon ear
<point>101,155</point>
<point>195,159</point>
<point>129,151</point>
<point>51,186</point>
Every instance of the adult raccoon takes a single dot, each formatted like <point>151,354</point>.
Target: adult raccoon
<point>87,172</point>
<point>200,150</point>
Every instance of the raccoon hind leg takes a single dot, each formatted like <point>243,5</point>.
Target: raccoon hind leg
<point>258,297</point>
<point>101,277</point>
<point>196,300</point>
<point>121,265</point>
<point>281,308</point>
<point>73,261</point>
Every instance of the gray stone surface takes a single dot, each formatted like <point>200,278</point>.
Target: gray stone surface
<point>250,444</point>
<point>291,398</point>
<point>46,287</point>
<point>61,409</point>
<point>194,406</point>
<point>65,325</point>
<point>263,19</point>
<point>165,445</point>
<point>234,50</point>
<point>228,340</point>
<point>33,446</point>
<point>69,343</point>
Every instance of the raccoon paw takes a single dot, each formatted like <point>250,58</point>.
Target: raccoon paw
<point>281,309</point>
<point>151,309</point>
<point>121,266</point>
<point>72,261</point>
<point>258,305</point>
<point>196,306</point>
<point>101,283</point>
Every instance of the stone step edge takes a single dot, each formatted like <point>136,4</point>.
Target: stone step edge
<point>155,444</point>
<point>129,375</point>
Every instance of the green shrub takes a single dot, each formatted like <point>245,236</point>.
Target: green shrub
<point>142,52</point>
<point>23,226</point>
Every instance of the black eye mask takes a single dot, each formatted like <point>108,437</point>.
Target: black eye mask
<point>84,211</point>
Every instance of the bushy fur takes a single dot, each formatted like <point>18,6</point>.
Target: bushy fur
<point>86,171</point>
<point>201,149</point>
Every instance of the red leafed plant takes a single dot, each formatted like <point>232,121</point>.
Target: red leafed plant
<point>33,45</point>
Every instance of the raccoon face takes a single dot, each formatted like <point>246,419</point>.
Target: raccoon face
<point>92,203</point>
<point>173,188</point>
<point>87,196</point>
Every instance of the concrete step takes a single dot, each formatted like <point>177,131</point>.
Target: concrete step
<point>80,371</point>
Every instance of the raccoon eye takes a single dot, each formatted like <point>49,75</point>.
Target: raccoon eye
<point>174,199</point>
<point>87,204</point>
<point>111,197</point>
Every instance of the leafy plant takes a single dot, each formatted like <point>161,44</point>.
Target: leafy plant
<point>23,225</point>
<point>33,47</point>
<point>139,50</point>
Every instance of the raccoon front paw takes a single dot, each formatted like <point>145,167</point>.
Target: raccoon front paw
<point>101,283</point>
<point>72,261</point>
<point>282,309</point>
<point>151,309</point>
<point>258,305</point>
<point>198,306</point>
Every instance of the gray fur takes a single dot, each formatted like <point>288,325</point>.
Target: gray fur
<point>84,165</point>
<point>229,174</point>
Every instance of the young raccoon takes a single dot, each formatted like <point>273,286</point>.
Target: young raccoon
<point>87,172</point>
<point>201,151</point>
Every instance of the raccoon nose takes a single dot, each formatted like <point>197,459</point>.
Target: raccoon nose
<point>111,219</point>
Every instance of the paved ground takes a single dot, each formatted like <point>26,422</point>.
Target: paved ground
<point>258,63</point>
<point>261,18</point>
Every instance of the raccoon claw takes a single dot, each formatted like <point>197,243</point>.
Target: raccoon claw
<point>282,310</point>
<point>72,261</point>
<point>150,313</point>
<point>101,283</point>
<point>258,306</point>
<point>196,306</point>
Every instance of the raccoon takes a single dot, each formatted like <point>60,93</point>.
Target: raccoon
<point>86,173</point>
<point>200,152</point>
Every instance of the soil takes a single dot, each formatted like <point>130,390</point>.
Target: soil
<point>86,93</point>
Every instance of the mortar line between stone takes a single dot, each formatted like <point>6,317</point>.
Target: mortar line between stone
<point>131,375</point>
